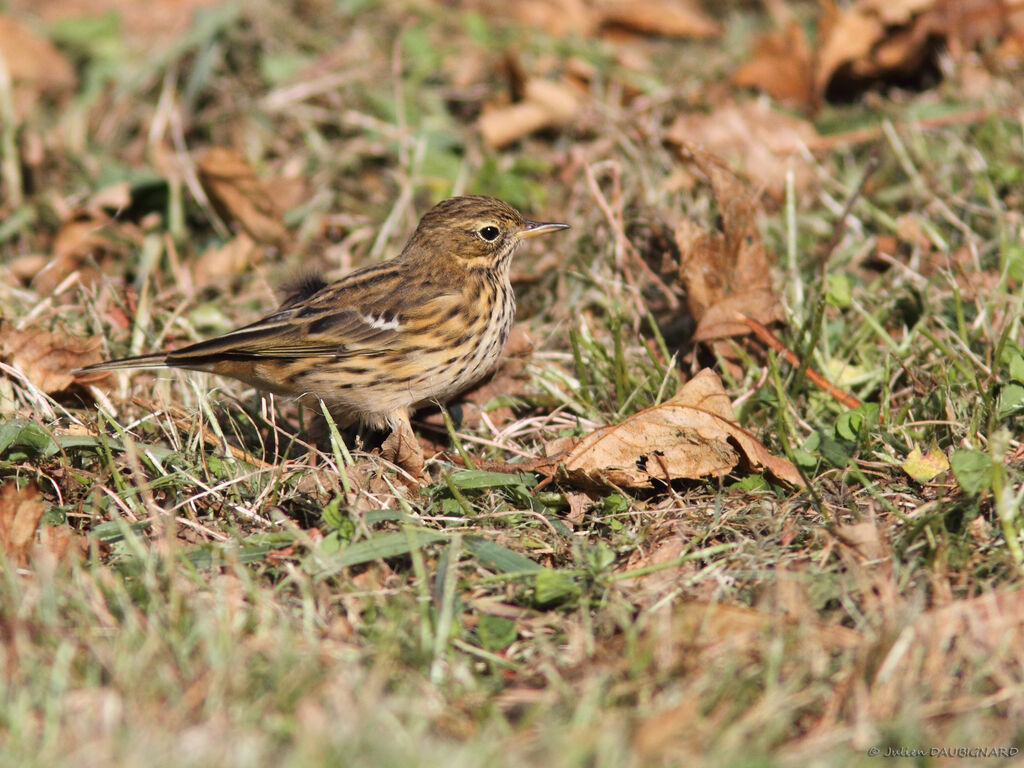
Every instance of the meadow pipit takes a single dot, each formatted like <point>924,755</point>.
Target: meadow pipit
<point>386,338</point>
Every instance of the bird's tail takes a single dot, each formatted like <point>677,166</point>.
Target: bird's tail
<point>158,360</point>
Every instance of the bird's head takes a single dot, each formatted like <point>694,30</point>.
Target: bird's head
<point>473,233</point>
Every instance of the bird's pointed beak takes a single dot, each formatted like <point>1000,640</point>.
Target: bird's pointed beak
<point>534,228</point>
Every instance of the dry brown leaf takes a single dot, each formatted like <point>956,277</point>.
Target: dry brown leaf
<point>993,620</point>
<point>86,243</point>
<point>546,104</point>
<point>781,65</point>
<point>47,357</point>
<point>36,68</point>
<point>239,196</point>
<point>20,511</point>
<point>870,40</point>
<point>77,241</point>
<point>761,142</point>
<point>729,271</point>
<point>669,18</point>
<point>849,41</point>
<point>971,22</point>
<point>692,435</point>
<point>233,257</point>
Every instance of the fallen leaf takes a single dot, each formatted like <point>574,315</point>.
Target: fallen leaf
<point>692,435</point>
<point>87,242</point>
<point>578,505</point>
<point>115,197</point>
<point>760,142</point>
<point>668,18</point>
<point>873,40</point>
<point>239,196</point>
<point>863,540</point>
<point>232,258</point>
<point>546,104</point>
<point>848,41</point>
<point>924,467</point>
<point>20,511</point>
<point>34,65</point>
<point>46,357</point>
<point>969,23</point>
<point>725,272</point>
<point>781,65</point>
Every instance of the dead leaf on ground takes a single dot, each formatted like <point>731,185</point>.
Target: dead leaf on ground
<point>762,143</point>
<point>87,242</point>
<point>692,435</point>
<point>20,511</point>
<point>34,65</point>
<point>727,272</point>
<point>239,196</point>
<point>873,40</point>
<point>667,18</point>
<point>545,104</point>
<point>46,357</point>
<point>781,65</point>
<point>992,621</point>
<point>232,258</point>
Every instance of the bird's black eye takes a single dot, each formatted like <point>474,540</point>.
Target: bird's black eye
<point>490,234</point>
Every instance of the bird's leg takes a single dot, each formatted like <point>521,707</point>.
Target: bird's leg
<point>401,446</point>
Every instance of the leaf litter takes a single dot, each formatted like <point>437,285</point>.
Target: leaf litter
<point>727,272</point>
<point>692,435</point>
<point>47,357</point>
<point>873,41</point>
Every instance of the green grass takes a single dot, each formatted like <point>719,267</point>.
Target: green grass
<point>238,602</point>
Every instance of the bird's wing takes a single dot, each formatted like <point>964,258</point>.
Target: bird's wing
<point>339,333</point>
<point>366,313</point>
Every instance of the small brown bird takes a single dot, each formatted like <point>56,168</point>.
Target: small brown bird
<point>386,338</point>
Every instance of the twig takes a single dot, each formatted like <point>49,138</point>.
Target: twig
<point>791,357</point>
